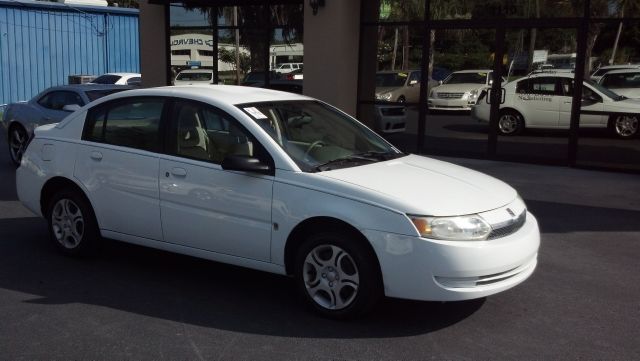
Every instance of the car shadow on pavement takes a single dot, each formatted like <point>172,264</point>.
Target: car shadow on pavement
<point>183,289</point>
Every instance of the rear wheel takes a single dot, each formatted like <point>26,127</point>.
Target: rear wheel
<point>17,143</point>
<point>624,126</point>
<point>337,276</point>
<point>510,122</point>
<point>72,224</point>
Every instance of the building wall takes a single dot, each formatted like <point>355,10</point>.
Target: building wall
<point>41,44</point>
<point>331,43</point>
<point>153,45</point>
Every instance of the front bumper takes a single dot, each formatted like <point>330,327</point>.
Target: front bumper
<point>431,270</point>
<point>451,104</point>
<point>391,118</point>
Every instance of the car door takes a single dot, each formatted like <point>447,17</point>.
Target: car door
<point>590,101</point>
<point>117,163</point>
<point>539,102</point>
<point>52,103</point>
<point>204,206</point>
<point>413,87</point>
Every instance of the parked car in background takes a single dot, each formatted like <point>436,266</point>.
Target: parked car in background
<point>50,106</point>
<point>544,101</point>
<point>194,76</point>
<point>460,90</point>
<point>400,86</point>
<point>118,79</point>
<point>287,67</point>
<point>623,82</point>
<point>291,86</point>
<point>601,71</point>
<point>281,183</point>
<point>253,77</point>
<point>295,75</point>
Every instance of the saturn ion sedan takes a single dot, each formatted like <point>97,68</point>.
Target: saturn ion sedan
<point>281,183</point>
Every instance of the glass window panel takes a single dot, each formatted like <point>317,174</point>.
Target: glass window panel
<point>191,39</point>
<point>487,9</point>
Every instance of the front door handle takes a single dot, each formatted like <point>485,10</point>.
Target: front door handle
<point>178,172</point>
<point>96,155</point>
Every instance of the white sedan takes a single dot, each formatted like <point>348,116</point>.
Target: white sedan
<point>460,90</point>
<point>543,100</point>
<point>623,82</point>
<point>281,183</point>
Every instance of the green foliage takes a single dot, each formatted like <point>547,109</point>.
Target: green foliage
<point>229,57</point>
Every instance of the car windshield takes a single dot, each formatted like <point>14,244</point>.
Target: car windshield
<point>193,76</point>
<point>106,79</point>
<point>604,90</point>
<point>95,94</point>
<point>391,79</point>
<point>317,137</point>
<point>467,78</point>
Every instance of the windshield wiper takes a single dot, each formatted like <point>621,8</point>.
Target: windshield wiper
<point>371,157</point>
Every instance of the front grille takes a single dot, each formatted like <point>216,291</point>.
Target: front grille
<point>509,228</point>
<point>396,111</point>
<point>449,95</point>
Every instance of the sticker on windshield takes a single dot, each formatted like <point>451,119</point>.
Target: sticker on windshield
<point>255,113</point>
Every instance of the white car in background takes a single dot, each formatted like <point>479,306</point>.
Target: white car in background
<point>119,79</point>
<point>287,67</point>
<point>277,182</point>
<point>543,100</point>
<point>601,71</point>
<point>623,82</point>
<point>460,90</point>
<point>194,76</point>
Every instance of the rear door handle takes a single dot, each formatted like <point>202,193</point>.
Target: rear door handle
<point>178,172</point>
<point>96,155</point>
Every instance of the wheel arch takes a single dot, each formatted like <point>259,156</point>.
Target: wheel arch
<point>513,109</point>
<point>55,184</point>
<point>318,224</point>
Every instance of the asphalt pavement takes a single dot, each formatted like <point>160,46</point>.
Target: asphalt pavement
<point>135,303</point>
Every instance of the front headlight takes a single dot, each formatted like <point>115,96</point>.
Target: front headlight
<point>385,96</point>
<point>462,228</point>
<point>473,94</point>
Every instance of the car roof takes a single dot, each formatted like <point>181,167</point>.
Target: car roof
<point>395,71</point>
<point>474,71</point>
<point>623,71</point>
<point>88,87</point>
<point>563,74</point>
<point>122,74</point>
<point>197,71</point>
<point>619,66</point>
<point>228,94</point>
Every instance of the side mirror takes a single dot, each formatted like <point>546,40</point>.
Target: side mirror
<point>491,82</point>
<point>244,163</point>
<point>71,108</point>
<point>490,95</point>
<point>439,82</point>
<point>413,82</point>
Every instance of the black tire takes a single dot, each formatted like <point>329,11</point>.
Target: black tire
<point>510,122</point>
<point>17,138</point>
<point>311,277</point>
<point>624,126</point>
<point>73,228</point>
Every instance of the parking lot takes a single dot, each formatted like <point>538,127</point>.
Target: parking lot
<point>135,303</point>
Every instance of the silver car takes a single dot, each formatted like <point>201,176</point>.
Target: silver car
<point>50,106</point>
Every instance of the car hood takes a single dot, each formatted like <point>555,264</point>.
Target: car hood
<point>425,186</point>
<point>632,105</point>
<point>386,89</point>
<point>457,88</point>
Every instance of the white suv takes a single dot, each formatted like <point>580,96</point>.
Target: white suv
<point>287,67</point>
<point>543,100</point>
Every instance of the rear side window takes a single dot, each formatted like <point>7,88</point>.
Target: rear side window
<point>56,100</point>
<point>106,79</point>
<point>542,86</point>
<point>132,123</point>
<point>134,81</point>
<point>621,81</point>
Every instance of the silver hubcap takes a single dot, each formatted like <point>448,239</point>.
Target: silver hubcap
<point>17,141</point>
<point>331,277</point>
<point>626,126</point>
<point>67,223</point>
<point>508,123</point>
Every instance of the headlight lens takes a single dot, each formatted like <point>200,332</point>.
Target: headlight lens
<point>385,96</point>
<point>462,228</point>
<point>473,94</point>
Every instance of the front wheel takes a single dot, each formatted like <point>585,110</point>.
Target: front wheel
<point>72,224</point>
<point>337,276</point>
<point>624,126</point>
